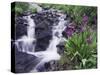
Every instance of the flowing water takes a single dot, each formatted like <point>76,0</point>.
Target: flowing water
<point>27,43</point>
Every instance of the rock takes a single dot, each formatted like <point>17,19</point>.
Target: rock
<point>42,44</point>
<point>24,62</point>
<point>61,47</point>
<point>20,27</point>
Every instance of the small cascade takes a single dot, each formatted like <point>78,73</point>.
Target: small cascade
<point>27,43</point>
<point>31,27</point>
<point>51,52</point>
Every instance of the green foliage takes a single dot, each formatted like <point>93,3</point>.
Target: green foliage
<point>78,48</point>
<point>32,9</point>
<point>21,7</point>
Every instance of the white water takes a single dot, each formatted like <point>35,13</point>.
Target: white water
<point>27,40</point>
<point>31,27</point>
<point>51,52</point>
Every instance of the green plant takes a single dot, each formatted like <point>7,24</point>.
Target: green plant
<point>21,7</point>
<point>82,50</point>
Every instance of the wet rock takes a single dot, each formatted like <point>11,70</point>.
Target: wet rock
<point>42,44</point>
<point>24,62</point>
<point>20,27</point>
<point>61,47</point>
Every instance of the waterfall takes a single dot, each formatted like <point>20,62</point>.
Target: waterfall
<point>51,52</point>
<point>31,27</point>
<point>28,42</point>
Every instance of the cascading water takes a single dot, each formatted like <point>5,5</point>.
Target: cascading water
<point>51,52</point>
<point>27,43</point>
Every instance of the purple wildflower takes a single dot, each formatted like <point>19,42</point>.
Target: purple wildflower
<point>85,19</point>
<point>70,30</point>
